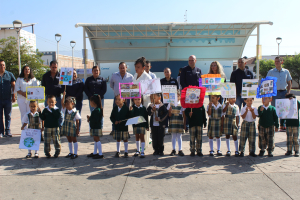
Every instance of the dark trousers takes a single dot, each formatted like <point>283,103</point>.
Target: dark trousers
<point>5,105</point>
<point>158,134</point>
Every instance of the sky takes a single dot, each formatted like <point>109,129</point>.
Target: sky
<point>61,16</point>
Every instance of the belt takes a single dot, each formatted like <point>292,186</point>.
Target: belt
<point>281,90</point>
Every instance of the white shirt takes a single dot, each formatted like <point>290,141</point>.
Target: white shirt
<point>77,116</point>
<point>215,107</point>
<point>155,123</point>
<point>119,109</point>
<point>25,118</point>
<point>144,76</point>
<point>249,117</point>
<point>21,85</point>
<point>234,105</point>
<point>182,109</point>
<point>266,107</point>
<point>55,108</point>
<point>138,106</point>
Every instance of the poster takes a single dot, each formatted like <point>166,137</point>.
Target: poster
<point>249,88</point>
<point>30,139</point>
<point>267,87</point>
<point>66,76</point>
<point>228,90</point>
<point>129,90</point>
<point>34,93</point>
<point>212,83</point>
<point>170,94</point>
<point>192,95</point>
<point>286,109</point>
<point>151,86</point>
<point>135,120</point>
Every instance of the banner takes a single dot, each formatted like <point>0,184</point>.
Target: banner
<point>130,90</point>
<point>66,76</point>
<point>212,83</point>
<point>170,94</point>
<point>30,139</point>
<point>151,86</point>
<point>286,109</point>
<point>267,87</point>
<point>249,88</point>
<point>192,97</point>
<point>228,90</point>
<point>34,93</point>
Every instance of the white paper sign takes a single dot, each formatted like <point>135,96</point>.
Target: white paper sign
<point>66,76</point>
<point>30,139</point>
<point>266,87</point>
<point>228,90</point>
<point>249,88</point>
<point>135,120</point>
<point>170,94</point>
<point>151,86</point>
<point>35,93</point>
<point>286,109</point>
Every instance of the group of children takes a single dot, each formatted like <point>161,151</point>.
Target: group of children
<point>223,119</point>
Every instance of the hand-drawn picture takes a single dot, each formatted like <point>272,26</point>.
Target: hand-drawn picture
<point>129,90</point>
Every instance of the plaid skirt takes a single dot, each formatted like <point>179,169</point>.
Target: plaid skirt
<point>121,135</point>
<point>176,124</point>
<point>214,127</point>
<point>96,132</point>
<point>139,130</point>
<point>230,127</point>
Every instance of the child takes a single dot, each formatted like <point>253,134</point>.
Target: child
<point>215,125</point>
<point>292,131</point>
<point>34,122</point>
<point>51,115</point>
<point>248,113</point>
<point>118,117</point>
<point>230,124</point>
<point>159,114</point>
<point>95,125</point>
<point>197,119</point>
<point>139,129</point>
<point>267,120</point>
<point>69,129</point>
<point>176,125</point>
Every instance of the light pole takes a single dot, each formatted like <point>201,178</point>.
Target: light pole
<point>72,44</point>
<point>278,40</point>
<point>17,26</point>
<point>57,38</point>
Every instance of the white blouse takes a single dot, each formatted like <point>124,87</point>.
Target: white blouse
<point>21,85</point>
<point>144,76</point>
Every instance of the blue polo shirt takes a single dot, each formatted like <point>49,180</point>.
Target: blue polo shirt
<point>283,76</point>
<point>5,85</point>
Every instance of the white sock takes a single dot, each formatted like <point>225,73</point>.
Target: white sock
<point>75,148</point>
<point>29,151</point>
<point>137,145</point>
<point>36,151</point>
<point>236,144</point>
<point>179,139</point>
<point>126,147</point>
<point>173,141</point>
<point>211,144</point>
<point>118,146</point>
<point>219,143</point>
<point>99,146</point>
<point>143,146</point>
<point>95,148</point>
<point>71,147</point>
<point>228,144</point>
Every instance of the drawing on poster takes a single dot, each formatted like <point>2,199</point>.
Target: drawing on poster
<point>267,87</point>
<point>249,88</point>
<point>129,90</point>
<point>228,90</point>
<point>286,109</point>
<point>66,76</point>
<point>34,93</point>
<point>212,83</point>
<point>30,139</point>
<point>151,86</point>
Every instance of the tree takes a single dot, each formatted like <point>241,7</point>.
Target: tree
<point>264,67</point>
<point>9,53</point>
<point>292,63</point>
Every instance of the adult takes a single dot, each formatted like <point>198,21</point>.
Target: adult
<point>190,74</point>
<point>284,83</point>
<point>217,68</point>
<point>147,69</point>
<point>25,79</point>
<point>237,77</point>
<point>178,78</point>
<point>76,90</point>
<point>7,97</point>
<point>95,84</point>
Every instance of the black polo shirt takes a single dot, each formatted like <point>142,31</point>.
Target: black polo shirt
<point>190,76</point>
<point>95,86</point>
<point>51,85</point>
<point>75,90</point>
<point>237,77</point>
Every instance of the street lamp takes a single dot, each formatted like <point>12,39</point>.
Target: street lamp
<point>278,40</point>
<point>72,44</point>
<point>57,38</point>
<point>17,26</point>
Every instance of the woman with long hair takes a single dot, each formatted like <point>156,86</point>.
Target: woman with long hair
<point>217,68</point>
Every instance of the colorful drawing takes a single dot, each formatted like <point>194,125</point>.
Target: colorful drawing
<point>249,88</point>
<point>34,93</point>
<point>30,139</point>
<point>129,90</point>
<point>267,87</point>
<point>286,109</point>
<point>228,90</point>
<point>170,94</point>
<point>66,76</point>
<point>192,97</point>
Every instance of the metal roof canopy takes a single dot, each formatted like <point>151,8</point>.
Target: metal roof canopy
<point>168,41</point>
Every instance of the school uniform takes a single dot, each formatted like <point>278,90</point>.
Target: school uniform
<point>267,120</point>
<point>196,123</point>
<point>158,127</point>
<point>214,122</point>
<point>121,130</point>
<point>248,130</point>
<point>292,133</point>
<point>95,122</point>
<point>229,126</point>
<point>69,125</point>
<point>51,124</point>
<point>139,111</point>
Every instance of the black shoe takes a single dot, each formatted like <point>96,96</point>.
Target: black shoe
<point>296,154</point>
<point>142,155</point>
<point>173,153</point>
<point>117,155</point>
<point>8,135</point>
<point>219,153</point>
<point>261,153</point>
<point>211,153</point>
<point>125,155</point>
<point>242,154</point>
<point>76,156</point>
<point>192,153</point>
<point>69,155</point>
<point>270,154</point>
<point>48,155</point>
<point>161,154</point>
<point>98,156</point>
<point>236,154</point>
<point>289,153</point>
<point>228,153</point>
<point>92,155</point>
<point>28,155</point>
<point>56,155</point>
<point>155,153</point>
<point>180,153</point>
<point>136,154</point>
<point>199,154</point>
<point>252,154</point>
